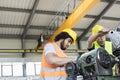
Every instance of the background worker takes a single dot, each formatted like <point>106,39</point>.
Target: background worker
<point>98,39</point>
<point>54,59</point>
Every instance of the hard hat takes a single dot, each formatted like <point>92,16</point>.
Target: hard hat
<point>71,33</point>
<point>96,29</point>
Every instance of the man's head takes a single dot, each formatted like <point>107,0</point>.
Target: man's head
<point>67,37</point>
<point>96,29</point>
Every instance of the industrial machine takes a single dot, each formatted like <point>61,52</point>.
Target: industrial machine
<point>97,64</point>
<point>114,36</point>
<point>91,65</point>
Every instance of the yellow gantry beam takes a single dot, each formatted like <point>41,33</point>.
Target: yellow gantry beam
<point>37,51</point>
<point>83,8</point>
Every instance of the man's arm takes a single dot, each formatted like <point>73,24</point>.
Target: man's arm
<point>93,37</point>
<point>53,59</point>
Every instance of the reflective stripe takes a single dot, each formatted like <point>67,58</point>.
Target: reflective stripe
<point>55,78</point>
<point>59,71</point>
<point>113,69</point>
<point>108,47</point>
<point>52,69</point>
<point>53,74</point>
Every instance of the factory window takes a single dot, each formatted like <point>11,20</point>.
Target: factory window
<point>30,69</point>
<point>37,68</point>
<point>6,70</point>
<point>17,69</point>
<point>0,70</point>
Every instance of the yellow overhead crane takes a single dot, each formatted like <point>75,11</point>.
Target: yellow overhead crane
<point>81,10</point>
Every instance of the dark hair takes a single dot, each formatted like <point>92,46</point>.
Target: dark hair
<point>62,35</point>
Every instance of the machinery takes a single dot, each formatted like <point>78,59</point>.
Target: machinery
<point>97,64</point>
<point>114,36</point>
<point>90,65</point>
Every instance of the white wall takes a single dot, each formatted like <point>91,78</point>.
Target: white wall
<point>31,44</point>
<point>10,44</point>
<point>83,44</point>
<point>16,44</point>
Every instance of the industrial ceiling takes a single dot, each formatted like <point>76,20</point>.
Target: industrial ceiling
<point>28,19</point>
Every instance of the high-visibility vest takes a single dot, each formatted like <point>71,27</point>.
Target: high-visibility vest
<point>52,72</point>
<point>108,48</point>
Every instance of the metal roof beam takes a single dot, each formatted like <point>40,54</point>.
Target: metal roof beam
<point>30,18</point>
<point>117,1</point>
<point>35,27</point>
<point>111,18</point>
<point>36,11</point>
<point>95,21</point>
<point>27,26</point>
<point>54,13</point>
<point>16,36</point>
<point>10,36</point>
<point>22,26</point>
<point>104,17</point>
<point>15,9</point>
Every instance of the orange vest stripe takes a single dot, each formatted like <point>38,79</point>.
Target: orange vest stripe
<point>45,64</point>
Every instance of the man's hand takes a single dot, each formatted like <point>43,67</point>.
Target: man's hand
<point>103,32</point>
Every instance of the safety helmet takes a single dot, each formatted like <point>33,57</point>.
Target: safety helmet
<point>96,29</point>
<point>71,33</point>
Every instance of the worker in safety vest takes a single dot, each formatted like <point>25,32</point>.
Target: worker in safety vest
<point>98,39</point>
<point>53,57</point>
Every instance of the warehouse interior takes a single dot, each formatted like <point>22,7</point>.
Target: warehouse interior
<point>26,25</point>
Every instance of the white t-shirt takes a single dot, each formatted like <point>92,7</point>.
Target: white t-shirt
<point>49,48</point>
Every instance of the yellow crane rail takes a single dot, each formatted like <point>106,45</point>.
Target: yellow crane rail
<point>79,12</point>
<point>38,51</point>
